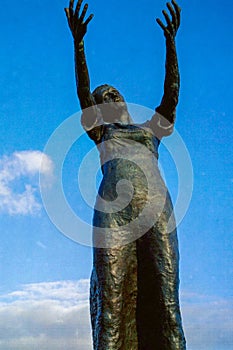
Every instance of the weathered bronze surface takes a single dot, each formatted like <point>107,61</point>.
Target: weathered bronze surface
<point>134,298</point>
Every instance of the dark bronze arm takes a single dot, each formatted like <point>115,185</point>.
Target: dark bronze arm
<point>78,28</point>
<point>169,100</point>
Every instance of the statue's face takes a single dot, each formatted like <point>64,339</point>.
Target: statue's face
<point>111,103</point>
<point>108,94</point>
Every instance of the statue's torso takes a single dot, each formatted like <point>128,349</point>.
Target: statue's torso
<point>131,178</point>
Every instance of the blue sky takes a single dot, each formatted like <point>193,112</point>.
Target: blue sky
<point>125,47</point>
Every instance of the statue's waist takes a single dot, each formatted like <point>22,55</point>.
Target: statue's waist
<point>130,168</point>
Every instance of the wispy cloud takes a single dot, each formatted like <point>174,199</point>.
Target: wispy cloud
<point>55,316</point>
<point>19,181</point>
<point>41,245</point>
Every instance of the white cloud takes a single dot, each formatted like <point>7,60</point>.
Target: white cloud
<point>46,316</point>
<point>71,292</point>
<point>19,181</point>
<point>208,322</point>
<point>55,316</point>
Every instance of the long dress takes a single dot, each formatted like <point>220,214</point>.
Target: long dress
<point>134,300</point>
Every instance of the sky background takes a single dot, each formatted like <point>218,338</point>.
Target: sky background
<point>44,275</point>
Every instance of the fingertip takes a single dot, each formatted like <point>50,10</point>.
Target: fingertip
<point>160,23</point>
<point>176,5</point>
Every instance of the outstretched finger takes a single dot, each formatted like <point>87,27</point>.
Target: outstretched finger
<point>84,11</point>
<point>68,16</point>
<point>178,10</point>
<point>71,6</point>
<point>78,6</point>
<point>169,23</point>
<point>160,23</point>
<point>173,14</point>
<point>67,11</point>
<point>88,19</point>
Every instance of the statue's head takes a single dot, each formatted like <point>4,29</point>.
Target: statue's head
<point>106,94</point>
<point>111,104</point>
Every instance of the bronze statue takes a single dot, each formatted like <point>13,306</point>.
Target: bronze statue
<point>134,298</point>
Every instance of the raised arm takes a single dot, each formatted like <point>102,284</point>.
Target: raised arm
<point>78,28</point>
<point>169,100</point>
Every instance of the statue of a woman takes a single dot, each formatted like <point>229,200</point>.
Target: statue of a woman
<point>134,285</point>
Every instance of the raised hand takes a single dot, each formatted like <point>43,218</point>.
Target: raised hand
<point>76,21</point>
<point>173,24</point>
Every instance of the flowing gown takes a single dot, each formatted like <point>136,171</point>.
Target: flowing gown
<point>134,299</point>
